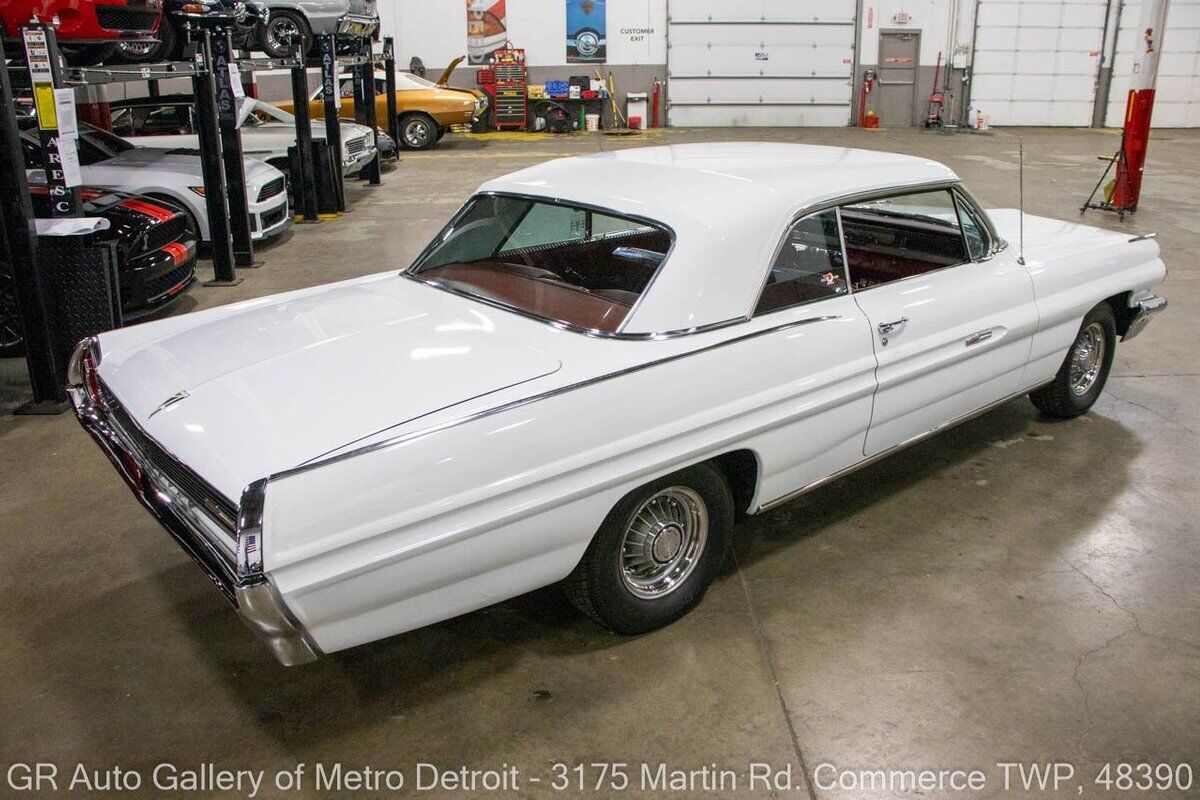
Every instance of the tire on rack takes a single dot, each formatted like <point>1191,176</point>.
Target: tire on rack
<point>277,37</point>
<point>12,338</point>
<point>169,47</point>
<point>656,552</point>
<point>1081,378</point>
<point>87,55</point>
<point>418,131</point>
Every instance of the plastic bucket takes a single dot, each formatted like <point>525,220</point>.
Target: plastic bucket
<point>592,122</point>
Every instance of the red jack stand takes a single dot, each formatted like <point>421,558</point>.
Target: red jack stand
<point>1121,194</point>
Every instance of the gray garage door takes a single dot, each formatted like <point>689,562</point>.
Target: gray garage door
<point>1036,60</point>
<point>760,62</point>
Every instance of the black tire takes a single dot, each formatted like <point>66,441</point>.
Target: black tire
<point>1074,390</point>
<point>602,587</point>
<point>442,132</point>
<point>167,48</point>
<point>12,338</point>
<point>275,36</point>
<point>417,131</point>
<point>87,55</point>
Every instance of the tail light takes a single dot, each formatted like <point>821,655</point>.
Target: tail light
<point>82,370</point>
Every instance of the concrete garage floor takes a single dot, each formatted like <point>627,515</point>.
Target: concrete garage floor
<point>1016,589</point>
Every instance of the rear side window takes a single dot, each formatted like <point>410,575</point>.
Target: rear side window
<point>809,265</point>
<point>898,237</point>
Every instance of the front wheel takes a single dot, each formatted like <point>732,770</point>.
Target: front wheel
<point>656,552</point>
<point>167,48</point>
<point>417,132</point>
<point>1083,374</point>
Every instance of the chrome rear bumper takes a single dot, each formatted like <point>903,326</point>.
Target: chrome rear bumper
<point>1146,309</point>
<point>230,558</point>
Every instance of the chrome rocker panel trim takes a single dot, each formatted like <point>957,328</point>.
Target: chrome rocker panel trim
<point>239,579</point>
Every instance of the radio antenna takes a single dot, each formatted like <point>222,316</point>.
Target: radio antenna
<point>1021,201</point>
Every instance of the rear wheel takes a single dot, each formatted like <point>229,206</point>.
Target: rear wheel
<point>656,552</point>
<point>282,31</point>
<point>417,131</point>
<point>1083,374</point>
<point>12,339</point>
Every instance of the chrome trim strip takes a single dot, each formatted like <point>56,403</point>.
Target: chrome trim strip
<point>487,412</point>
<point>1144,237</point>
<point>866,462</point>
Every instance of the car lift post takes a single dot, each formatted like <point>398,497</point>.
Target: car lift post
<point>18,245</point>
<point>231,148</point>
<point>331,100</point>
<point>364,101</point>
<point>213,167</point>
<point>45,76</point>
<point>389,75</point>
<point>304,187</point>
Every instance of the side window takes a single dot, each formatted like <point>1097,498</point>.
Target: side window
<point>974,231</point>
<point>901,236</point>
<point>809,265</point>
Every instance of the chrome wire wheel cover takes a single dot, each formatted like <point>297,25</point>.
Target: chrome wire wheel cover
<point>416,132</point>
<point>282,32</point>
<point>587,43</point>
<point>664,542</point>
<point>1087,358</point>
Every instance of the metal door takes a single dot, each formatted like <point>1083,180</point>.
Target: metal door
<point>760,62</point>
<point>896,103</point>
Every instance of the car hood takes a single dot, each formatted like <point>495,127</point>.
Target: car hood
<point>183,162</point>
<point>283,381</point>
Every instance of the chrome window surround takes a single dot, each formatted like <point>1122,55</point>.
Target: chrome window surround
<point>232,559</point>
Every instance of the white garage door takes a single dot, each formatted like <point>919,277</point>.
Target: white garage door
<point>1177,90</point>
<point>760,62</point>
<point>1036,60</point>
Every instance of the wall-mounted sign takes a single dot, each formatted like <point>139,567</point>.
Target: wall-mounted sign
<point>902,18</point>
<point>487,29</point>
<point>587,31</point>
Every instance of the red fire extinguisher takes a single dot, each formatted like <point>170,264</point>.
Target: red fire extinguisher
<point>865,120</point>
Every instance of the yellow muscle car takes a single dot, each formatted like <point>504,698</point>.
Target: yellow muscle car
<point>426,110</point>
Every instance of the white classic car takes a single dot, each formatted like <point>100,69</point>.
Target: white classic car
<point>168,121</point>
<point>587,374</point>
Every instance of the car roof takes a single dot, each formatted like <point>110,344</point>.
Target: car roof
<point>728,203</point>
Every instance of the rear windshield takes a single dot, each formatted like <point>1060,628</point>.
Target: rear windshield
<point>552,260</point>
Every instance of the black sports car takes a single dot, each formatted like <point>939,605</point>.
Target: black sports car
<point>156,251</point>
<point>245,19</point>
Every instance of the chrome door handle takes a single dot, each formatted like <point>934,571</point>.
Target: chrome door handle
<point>976,338</point>
<point>891,327</point>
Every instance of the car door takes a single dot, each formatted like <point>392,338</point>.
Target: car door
<point>952,311</point>
<point>815,357</point>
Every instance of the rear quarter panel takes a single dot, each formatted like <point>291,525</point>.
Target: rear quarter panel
<point>480,511</point>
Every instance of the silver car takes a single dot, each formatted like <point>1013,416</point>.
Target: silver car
<point>305,19</point>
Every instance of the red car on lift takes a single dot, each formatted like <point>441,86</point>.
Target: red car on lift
<point>88,30</point>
